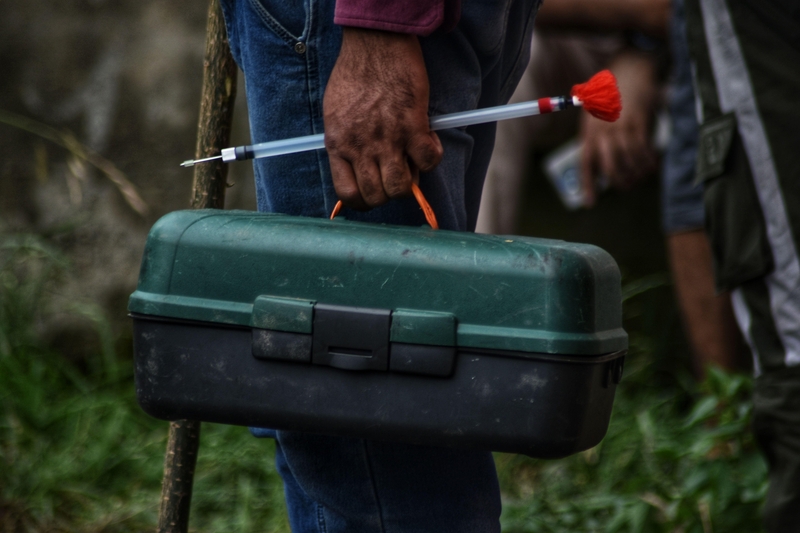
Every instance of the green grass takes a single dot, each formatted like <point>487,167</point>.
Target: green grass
<point>659,469</point>
<point>77,453</point>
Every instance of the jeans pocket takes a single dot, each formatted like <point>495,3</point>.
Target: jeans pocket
<point>288,20</point>
<point>734,218</point>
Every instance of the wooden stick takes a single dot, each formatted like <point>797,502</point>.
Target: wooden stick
<point>179,463</point>
<point>208,191</point>
<point>216,114</point>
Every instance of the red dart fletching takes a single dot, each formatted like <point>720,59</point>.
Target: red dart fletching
<point>600,96</point>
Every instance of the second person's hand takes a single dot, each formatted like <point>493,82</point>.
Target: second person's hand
<point>622,151</point>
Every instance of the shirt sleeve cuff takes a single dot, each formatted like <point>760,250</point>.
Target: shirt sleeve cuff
<point>420,17</point>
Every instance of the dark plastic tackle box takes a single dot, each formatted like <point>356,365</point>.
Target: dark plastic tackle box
<point>432,337</point>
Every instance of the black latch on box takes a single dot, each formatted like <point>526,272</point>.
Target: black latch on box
<point>352,338</point>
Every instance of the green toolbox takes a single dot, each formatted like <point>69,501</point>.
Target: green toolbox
<point>442,338</point>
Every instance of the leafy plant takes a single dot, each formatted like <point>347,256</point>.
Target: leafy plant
<point>659,469</point>
<point>76,451</point>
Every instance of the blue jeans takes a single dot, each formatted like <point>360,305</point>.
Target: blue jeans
<point>287,51</point>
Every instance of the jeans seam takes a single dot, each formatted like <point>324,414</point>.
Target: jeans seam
<point>314,96</point>
<point>309,18</point>
<point>323,528</point>
<point>312,68</point>
<point>368,464</point>
<point>273,24</point>
<point>228,17</point>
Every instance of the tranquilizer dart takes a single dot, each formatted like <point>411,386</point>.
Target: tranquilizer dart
<point>599,96</point>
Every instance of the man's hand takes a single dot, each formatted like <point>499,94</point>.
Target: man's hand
<point>376,118</point>
<point>622,151</point>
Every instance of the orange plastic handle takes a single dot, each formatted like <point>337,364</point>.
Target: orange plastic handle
<point>423,203</point>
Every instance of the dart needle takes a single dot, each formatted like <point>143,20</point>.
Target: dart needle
<point>193,162</point>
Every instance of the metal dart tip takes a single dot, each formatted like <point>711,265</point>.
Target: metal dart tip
<point>193,162</point>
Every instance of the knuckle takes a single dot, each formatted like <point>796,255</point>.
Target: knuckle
<point>394,166</point>
<point>378,131</point>
<point>349,143</point>
<point>335,139</point>
<point>331,143</point>
<point>356,141</point>
<point>396,180</point>
<point>373,195</point>
<point>348,193</point>
<point>370,187</point>
<point>428,155</point>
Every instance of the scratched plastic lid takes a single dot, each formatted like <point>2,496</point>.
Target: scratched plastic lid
<point>249,269</point>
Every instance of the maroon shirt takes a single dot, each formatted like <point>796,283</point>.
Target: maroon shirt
<point>420,17</point>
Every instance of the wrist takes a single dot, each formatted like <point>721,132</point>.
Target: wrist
<point>370,54</point>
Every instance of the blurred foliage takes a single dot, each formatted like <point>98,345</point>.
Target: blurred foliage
<point>678,457</point>
<point>77,453</point>
<point>659,469</point>
<point>79,157</point>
